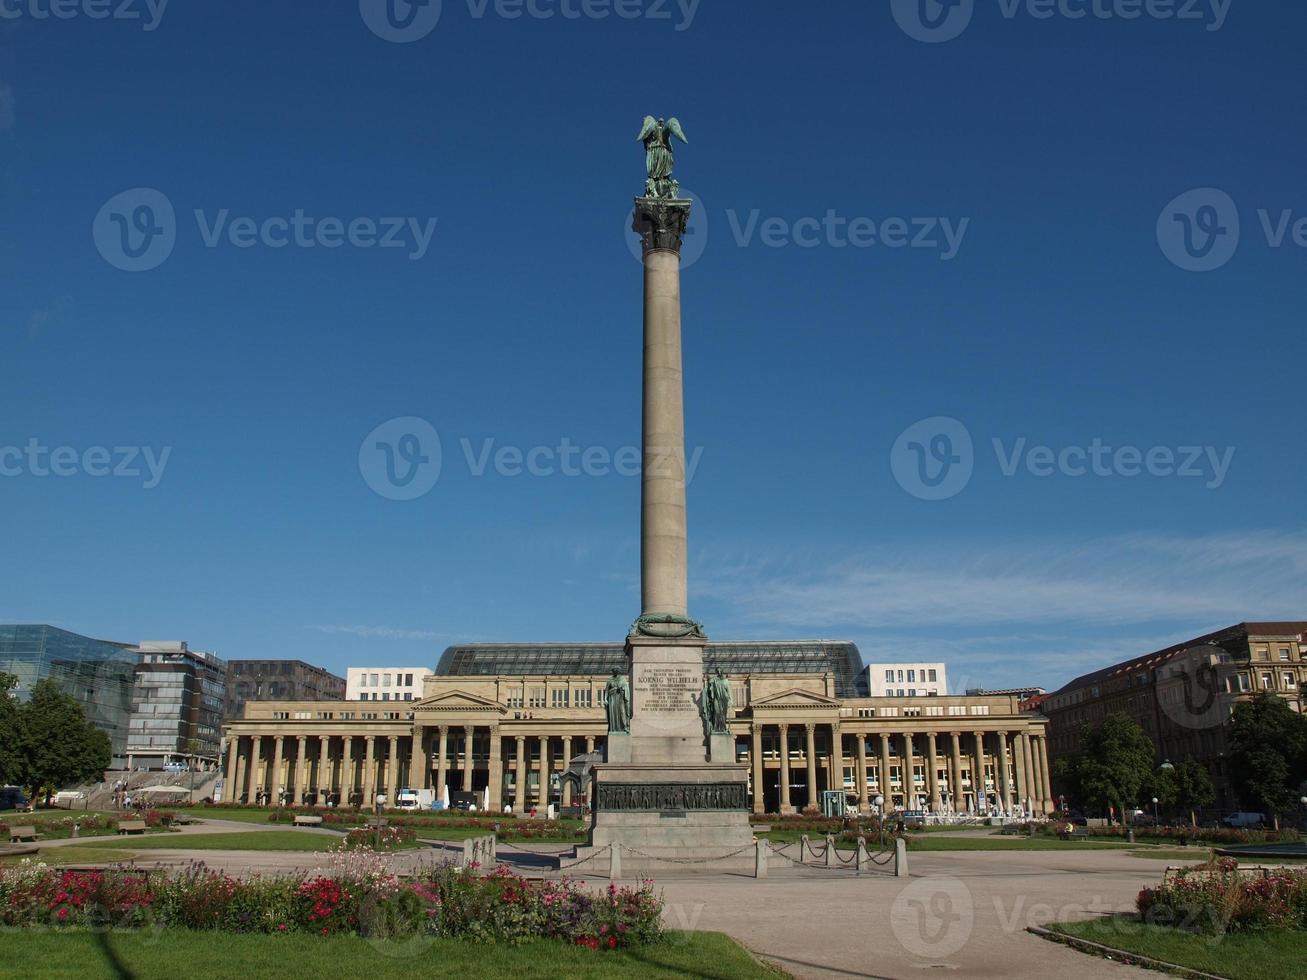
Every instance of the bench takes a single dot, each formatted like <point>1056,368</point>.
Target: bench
<point>22,833</point>
<point>305,820</point>
<point>1075,833</point>
<point>131,826</point>
<point>376,823</point>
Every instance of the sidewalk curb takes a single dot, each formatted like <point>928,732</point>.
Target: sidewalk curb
<point>1121,955</point>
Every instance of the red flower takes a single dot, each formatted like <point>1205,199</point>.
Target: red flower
<point>612,942</point>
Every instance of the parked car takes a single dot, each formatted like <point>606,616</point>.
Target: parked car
<point>12,798</point>
<point>176,767</point>
<point>1244,820</point>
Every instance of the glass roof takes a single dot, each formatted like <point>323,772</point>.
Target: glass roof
<point>745,657</point>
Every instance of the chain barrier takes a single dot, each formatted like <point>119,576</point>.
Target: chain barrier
<point>850,862</point>
<point>670,860</point>
<point>588,859</point>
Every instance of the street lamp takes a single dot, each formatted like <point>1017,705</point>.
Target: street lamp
<point>1155,811</point>
<point>879,801</point>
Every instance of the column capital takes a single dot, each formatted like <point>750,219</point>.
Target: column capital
<point>443,729</point>
<point>810,726</point>
<point>661,223</point>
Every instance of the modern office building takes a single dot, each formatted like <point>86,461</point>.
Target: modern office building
<point>385,683</point>
<point>98,673</point>
<point>1183,696</point>
<point>177,704</point>
<point>906,680</point>
<point>504,720</point>
<point>278,680</point>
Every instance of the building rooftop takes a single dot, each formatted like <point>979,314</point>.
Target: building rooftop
<point>1236,636</point>
<point>836,657</point>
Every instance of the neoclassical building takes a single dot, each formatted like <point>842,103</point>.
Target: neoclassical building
<point>510,717</point>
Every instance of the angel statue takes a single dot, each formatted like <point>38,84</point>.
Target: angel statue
<point>656,135</point>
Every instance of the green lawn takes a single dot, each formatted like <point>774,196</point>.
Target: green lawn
<point>1194,856</point>
<point>1001,843</point>
<point>75,854</point>
<point>219,956</point>
<point>1261,956</point>
<point>264,840</point>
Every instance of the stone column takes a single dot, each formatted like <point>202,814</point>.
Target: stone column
<point>955,773</point>
<point>785,769</point>
<point>861,775</point>
<point>932,773</point>
<point>882,780</point>
<point>441,762</point>
<point>324,768</point>
<point>567,761</point>
<point>276,782</point>
<point>837,762</point>
<point>909,775</point>
<point>589,743</point>
<point>346,769</point>
<point>229,780</point>
<point>662,484</point>
<point>978,774</point>
<point>810,757</point>
<point>496,776</point>
<point>544,773</point>
<point>755,760</point>
<point>392,770</point>
<point>244,762</point>
<point>520,769</point>
<point>369,772</point>
<point>469,764</point>
<point>1000,763</point>
<point>258,766</point>
<point>1047,773</point>
<point>417,761</point>
<point>1032,775</point>
<point>295,791</point>
<point>1019,770</point>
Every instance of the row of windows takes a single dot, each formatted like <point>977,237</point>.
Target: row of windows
<point>927,676</point>
<point>371,680</point>
<point>929,711</point>
<point>385,696</point>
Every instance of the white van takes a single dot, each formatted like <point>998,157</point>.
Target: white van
<point>1244,820</point>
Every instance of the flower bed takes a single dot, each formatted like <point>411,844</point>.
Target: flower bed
<point>380,839</point>
<point>1217,898</point>
<point>1168,835</point>
<point>355,894</point>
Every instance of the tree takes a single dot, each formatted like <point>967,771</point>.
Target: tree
<point>1268,754</point>
<point>57,744</point>
<point>1193,788</point>
<point>11,764</point>
<point>1111,765</point>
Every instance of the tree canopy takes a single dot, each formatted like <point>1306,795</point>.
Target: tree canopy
<point>1111,766</point>
<point>46,742</point>
<point>1268,754</point>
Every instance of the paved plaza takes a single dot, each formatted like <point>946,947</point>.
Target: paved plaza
<point>964,912</point>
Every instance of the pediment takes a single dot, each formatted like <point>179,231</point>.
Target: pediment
<point>795,698</point>
<point>456,700</point>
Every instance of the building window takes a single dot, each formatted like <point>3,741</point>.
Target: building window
<point>1284,654</point>
<point>912,677</point>
<point>385,680</point>
<point>933,678</point>
<point>408,695</point>
<point>408,680</point>
<point>1267,682</point>
<point>900,677</point>
<point>1290,680</point>
<point>581,697</point>
<point>889,676</point>
<point>375,680</point>
<point>560,697</point>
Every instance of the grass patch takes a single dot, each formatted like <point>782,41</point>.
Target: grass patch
<point>1001,843</point>
<point>1192,856</point>
<point>75,854</point>
<point>173,953</point>
<point>266,840</point>
<point>1270,955</point>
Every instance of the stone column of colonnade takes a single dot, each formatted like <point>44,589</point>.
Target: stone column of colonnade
<point>347,777</point>
<point>755,760</point>
<point>860,772</point>
<point>932,773</point>
<point>230,781</point>
<point>1048,773</point>
<point>810,758</point>
<point>519,778</point>
<point>369,770</point>
<point>567,761</point>
<point>955,773</point>
<point>496,776</point>
<point>907,768</point>
<point>884,789</point>
<point>442,761</point>
<point>1000,766</point>
<point>785,770</point>
<point>1019,771</point>
<point>325,775</point>
<point>275,783</point>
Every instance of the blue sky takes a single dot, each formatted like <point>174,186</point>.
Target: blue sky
<point>986,229</point>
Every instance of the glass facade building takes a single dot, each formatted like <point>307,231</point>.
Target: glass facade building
<point>177,706</point>
<point>98,673</point>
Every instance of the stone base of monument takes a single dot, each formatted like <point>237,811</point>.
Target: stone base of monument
<point>688,817</point>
